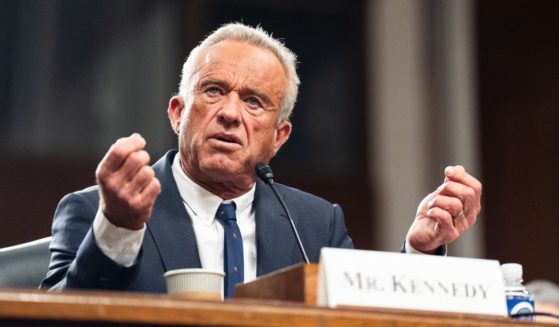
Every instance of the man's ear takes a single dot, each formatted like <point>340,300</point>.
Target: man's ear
<point>174,112</point>
<point>283,130</point>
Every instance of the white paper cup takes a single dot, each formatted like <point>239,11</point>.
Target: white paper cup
<point>195,283</point>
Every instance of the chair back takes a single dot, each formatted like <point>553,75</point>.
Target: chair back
<point>24,265</point>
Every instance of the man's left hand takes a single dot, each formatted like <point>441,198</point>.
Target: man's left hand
<point>447,213</point>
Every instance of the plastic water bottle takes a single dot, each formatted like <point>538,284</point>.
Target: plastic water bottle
<point>519,298</point>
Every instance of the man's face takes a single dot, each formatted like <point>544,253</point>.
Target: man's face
<point>233,120</point>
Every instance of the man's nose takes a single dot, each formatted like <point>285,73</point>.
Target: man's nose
<point>229,114</point>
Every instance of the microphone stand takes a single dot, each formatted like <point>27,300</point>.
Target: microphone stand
<point>264,172</point>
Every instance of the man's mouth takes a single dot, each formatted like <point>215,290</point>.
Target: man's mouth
<point>228,138</point>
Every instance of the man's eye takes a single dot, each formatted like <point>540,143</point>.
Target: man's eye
<point>253,102</point>
<point>212,90</point>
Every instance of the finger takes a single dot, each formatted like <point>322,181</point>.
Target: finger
<point>463,212</point>
<point>119,180</point>
<point>465,194</point>
<point>442,217</point>
<point>133,164</point>
<point>152,190</point>
<point>459,174</point>
<point>452,205</point>
<point>146,199</point>
<point>120,150</point>
<point>454,172</point>
<point>445,225</point>
<point>471,205</point>
<point>140,180</point>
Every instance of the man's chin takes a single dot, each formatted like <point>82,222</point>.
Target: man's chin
<point>221,168</point>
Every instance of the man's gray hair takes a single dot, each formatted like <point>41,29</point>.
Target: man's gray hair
<point>252,35</point>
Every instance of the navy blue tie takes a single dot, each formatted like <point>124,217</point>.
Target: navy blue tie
<point>233,249</point>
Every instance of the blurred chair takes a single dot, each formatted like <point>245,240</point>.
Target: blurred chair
<point>546,295</point>
<point>544,291</point>
<point>24,265</point>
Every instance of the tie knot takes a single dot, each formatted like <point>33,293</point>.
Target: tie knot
<point>226,211</point>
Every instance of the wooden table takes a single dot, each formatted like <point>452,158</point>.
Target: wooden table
<point>37,308</point>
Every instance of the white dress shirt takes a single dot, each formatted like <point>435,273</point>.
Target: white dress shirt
<point>123,245</point>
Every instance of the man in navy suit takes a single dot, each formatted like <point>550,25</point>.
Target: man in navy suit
<point>237,92</point>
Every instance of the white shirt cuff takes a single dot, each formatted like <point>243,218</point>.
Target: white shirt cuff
<point>410,249</point>
<point>120,244</point>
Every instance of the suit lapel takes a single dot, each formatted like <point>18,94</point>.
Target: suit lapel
<point>170,226</point>
<point>276,247</point>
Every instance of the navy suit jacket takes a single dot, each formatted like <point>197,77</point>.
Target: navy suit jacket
<point>170,242</point>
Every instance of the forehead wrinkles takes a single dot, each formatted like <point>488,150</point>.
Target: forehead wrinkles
<point>235,74</point>
<point>243,65</point>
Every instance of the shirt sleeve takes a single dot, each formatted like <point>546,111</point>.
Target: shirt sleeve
<point>441,250</point>
<point>120,244</point>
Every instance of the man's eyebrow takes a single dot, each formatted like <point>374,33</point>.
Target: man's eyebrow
<point>209,81</point>
<point>247,90</point>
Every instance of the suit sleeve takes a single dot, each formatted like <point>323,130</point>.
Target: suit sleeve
<point>76,260</point>
<point>339,237</point>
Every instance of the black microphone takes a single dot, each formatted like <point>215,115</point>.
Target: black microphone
<point>264,172</point>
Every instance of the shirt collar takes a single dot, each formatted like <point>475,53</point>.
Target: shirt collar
<point>202,202</point>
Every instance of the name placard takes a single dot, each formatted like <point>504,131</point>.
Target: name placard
<point>410,281</point>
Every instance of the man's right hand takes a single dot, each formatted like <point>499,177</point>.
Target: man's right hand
<point>127,184</point>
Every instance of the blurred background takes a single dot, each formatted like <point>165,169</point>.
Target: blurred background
<point>392,92</point>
